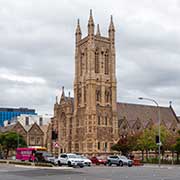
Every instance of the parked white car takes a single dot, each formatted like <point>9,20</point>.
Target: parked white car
<point>87,162</point>
<point>69,159</point>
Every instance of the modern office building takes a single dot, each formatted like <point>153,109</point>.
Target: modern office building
<point>11,114</point>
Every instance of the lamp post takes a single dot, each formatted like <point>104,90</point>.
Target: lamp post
<point>159,127</point>
<point>18,140</point>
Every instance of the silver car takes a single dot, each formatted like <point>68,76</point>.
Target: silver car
<point>119,160</point>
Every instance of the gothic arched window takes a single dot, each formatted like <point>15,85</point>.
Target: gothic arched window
<point>106,62</point>
<point>98,95</point>
<point>108,95</point>
<point>106,120</point>
<point>99,120</point>
<point>81,64</point>
<point>63,127</point>
<point>96,61</point>
<point>85,94</point>
<point>63,119</point>
<point>86,58</point>
<point>79,95</point>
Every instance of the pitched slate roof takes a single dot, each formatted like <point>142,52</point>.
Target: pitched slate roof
<point>11,127</point>
<point>146,114</point>
<point>7,128</point>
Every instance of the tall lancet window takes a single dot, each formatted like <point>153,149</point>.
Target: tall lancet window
<point>85,94</point>
<point>81,64</point>
<point>86,59</point>
<point>98,95</point>
<point>106,62</point>
<point>107,96</point>
<point>96,61</point>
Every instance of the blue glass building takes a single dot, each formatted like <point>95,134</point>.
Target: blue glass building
<point>11,113</point>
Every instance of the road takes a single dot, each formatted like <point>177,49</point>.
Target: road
<point>10,172</point>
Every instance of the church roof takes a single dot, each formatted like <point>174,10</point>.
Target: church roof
<point>146,114</point>
<point>6,129</point>
<point>10,127</point>
<point>67,99</point>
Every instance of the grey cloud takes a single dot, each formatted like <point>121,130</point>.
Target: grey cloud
<point>37,40</point>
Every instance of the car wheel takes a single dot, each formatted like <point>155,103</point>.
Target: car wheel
<point>120,163</point>
<point>59,163</point>
<point>109,163</point>
<point>36,160</point>
<point>129,165</point>
<point>69,164</point>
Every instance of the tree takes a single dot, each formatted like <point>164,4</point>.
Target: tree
<point>126,144</point>
<point>146,142</point>
<point>177,146</point>
<point>10,141</point>
<point>168,140</point>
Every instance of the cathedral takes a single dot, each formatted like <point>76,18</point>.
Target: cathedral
<point>92,121</point>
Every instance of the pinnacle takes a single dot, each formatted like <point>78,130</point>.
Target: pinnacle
<point>98,30</point>
<point>78,28</point>
<point>111,26</point>
<point>91,18</point>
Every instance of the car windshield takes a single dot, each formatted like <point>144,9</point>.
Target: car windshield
<point>83,157</point>
<point>72,156</point>
<point>123,157</point>
<point>47,154</point>
<point>101,158</point>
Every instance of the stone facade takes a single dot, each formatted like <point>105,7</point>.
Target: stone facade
<point>87,123</point>
<point>92,121</point>
<point>32,134</point>
<point>35,136</point>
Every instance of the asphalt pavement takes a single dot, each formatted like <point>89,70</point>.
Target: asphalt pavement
<point>148,172</point>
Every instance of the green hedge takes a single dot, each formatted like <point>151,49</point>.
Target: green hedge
<point>3,161</point>
<point>26,163</point>
<point>19,163</point>
<point>44,164</point>
<point>163,161</point>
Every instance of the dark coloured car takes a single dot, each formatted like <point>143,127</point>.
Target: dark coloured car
<point>48,157</point>
<point>98,160</point>
<point>119,160</point>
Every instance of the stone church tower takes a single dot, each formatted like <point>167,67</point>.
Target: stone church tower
<point>87,123</point>
<point>95,125</point>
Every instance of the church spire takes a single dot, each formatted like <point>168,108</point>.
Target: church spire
<point>56,100</point>
<point>111,26</point>
<point>111,30</point>
<point>78,31</point>
<point>62,94</point>
<point>98,31</point>
<point>91,24</point>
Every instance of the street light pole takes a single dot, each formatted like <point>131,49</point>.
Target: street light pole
<point>159,127</point>
<point>18,140</point>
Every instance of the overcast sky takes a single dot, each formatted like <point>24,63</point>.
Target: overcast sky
<point>37,49</point>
